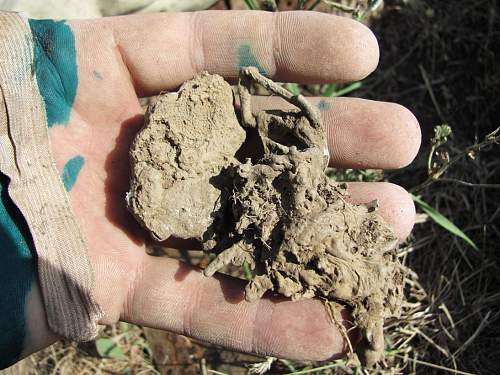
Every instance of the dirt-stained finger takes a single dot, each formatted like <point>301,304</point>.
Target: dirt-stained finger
<point>173,296</point>
<point>395,204</point>
<point>163,50</point>
<point>362,133</point>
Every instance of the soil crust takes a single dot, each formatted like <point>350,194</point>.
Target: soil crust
<point>252,189</point>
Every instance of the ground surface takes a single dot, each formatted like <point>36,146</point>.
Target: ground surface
<point>438,59</point>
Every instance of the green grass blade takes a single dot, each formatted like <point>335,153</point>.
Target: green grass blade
<point>443,221</point>
<point>330,90</point>
<point>247,271</point>
<point>293,88</point>
<point>251,4</point>
<point>288,364</point>
<point>300,4</point>
<point>348,89</point>
<point>314,5</point>
<point>109,348</point>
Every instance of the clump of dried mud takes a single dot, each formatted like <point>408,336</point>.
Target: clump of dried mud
<point>274,209</point>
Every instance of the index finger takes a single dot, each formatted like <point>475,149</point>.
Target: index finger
<point>163,50</point>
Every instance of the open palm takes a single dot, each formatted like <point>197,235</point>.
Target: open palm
<point>121,59</point>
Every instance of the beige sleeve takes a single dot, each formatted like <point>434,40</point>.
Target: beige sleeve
<point>64,271</point>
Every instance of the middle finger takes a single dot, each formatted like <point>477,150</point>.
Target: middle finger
<point>362,133</point>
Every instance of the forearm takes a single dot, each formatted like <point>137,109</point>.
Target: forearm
<point>22,317</point>
<point>37,332</point>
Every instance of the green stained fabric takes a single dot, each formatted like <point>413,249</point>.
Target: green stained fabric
<point>17,272</point>
<point>55,69</point>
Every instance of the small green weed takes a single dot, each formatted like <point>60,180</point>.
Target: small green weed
<point>442,220</point>
<point>108,348</point>
<point>332,90</point>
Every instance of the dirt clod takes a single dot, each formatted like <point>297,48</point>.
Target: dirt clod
<point>274,209</point>
<point>188,139</point>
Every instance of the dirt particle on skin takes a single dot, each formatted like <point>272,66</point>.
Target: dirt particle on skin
<point>272,207</point>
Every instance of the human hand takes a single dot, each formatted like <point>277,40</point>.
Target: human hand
<point>96,113</point>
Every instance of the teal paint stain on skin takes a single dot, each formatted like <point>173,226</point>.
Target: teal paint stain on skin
<point>71,171</point>
<point>17,272</point>
<point>55,68</point>
<point>323,106</point>
<point>97,75</point>
<point>247,58</point>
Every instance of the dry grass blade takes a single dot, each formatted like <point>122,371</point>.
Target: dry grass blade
<point>471,151</point>
<point>450,370</point>
<point>484,323</point>
<point>318,369</point>
<point>216,372</point>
